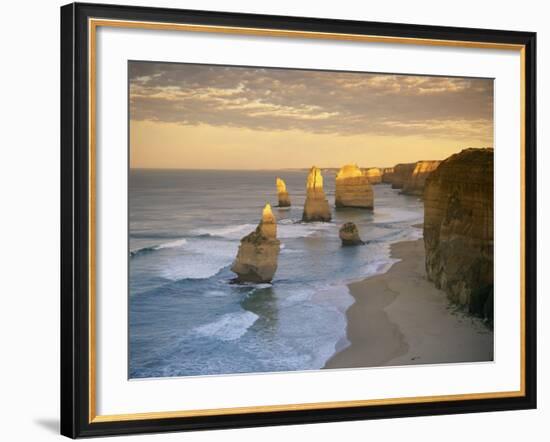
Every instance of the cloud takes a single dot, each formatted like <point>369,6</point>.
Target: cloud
<point>342,103</point>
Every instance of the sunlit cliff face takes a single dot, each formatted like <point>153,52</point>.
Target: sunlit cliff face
<point>425,167</point>
<point>267,214</point>
<point>281,186</point>
<point>374,175</point>
<point>373,171</point>
<point>314,180</point>
<point>353,188</point>
<point>349,171</point>
<point>268,224</point>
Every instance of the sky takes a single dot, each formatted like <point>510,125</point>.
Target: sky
<point>192,116</point>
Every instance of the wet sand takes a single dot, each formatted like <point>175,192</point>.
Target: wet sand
<point>400,318</point>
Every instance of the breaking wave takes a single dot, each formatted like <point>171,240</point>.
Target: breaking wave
<point>229,327</point>
<point>168,245</point>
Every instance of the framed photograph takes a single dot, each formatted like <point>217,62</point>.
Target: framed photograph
<point>274,220</point>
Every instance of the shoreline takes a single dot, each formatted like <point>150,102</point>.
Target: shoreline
<point>401,318</point>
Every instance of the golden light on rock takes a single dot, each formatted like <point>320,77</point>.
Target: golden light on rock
<point>268,224</point>
<point>267,214</point>
<point>414,185</point>
<point>353,188</point>
<point>316,206</point>
<point>374,174</point>
<point>282,194</point>
<point>281,186</point>
<point>314,180</point>
<point>258,252</point>
<point>349,171</point>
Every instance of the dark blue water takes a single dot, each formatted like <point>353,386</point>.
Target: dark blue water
<point>186,318</point>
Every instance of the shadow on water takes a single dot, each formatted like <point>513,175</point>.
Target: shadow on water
<point>349,214</point>
<point>263,302</point>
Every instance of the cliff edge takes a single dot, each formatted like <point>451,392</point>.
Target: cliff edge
<point>415,183</point>
<point>401,173</point>
<point>458,229</point>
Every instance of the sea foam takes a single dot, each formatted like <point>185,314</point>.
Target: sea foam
<point>201,258</point>
<point>229,327</point>
<point>286,229</point>
<point>168,245</point>
<point>230,232</point>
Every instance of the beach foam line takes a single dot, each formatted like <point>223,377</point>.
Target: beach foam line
<point>378,267</point>
<point>229,327</point>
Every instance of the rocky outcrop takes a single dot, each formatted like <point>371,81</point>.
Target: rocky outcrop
<point>387,174</point>
<point>353,188</point>
<point>282,194</point>
<point>401,173</point>
<point>316,206</point>
<point>258,253</point>
<point>458,229</point>
<point>414,185</point>
<point>374,174</point>
<point>350,235</point>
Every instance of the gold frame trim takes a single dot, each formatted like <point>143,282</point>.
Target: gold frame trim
<point>93,24</point>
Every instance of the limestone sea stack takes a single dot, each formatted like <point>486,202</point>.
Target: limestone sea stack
<point>353,188</point>
<point>387,173</point>
<point>414,185</point>
<point>374,174</point>
<point>282,194</point>
<point>401,173</point>
<point>258,253</point>
<point>458,229</point>
<point>316,207</point>
<point>350,235</point>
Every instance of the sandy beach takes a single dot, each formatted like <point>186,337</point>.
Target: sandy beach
<point>400,318</point>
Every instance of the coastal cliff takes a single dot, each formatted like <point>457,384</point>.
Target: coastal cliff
<point>282,194</point>
<point>458,229</point>
<point>387,175</point>
<point>258,253</point>
<point>374,174</point>
<point>353,188</point>
<point>316,206</point>
<point>414,185</point>
<point>401,173</point>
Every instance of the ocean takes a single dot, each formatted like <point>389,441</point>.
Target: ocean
<point>186,318</point>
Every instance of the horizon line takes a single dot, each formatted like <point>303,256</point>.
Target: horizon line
<point>266,169</point>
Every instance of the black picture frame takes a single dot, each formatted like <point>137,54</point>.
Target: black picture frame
<point>75,219</point>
